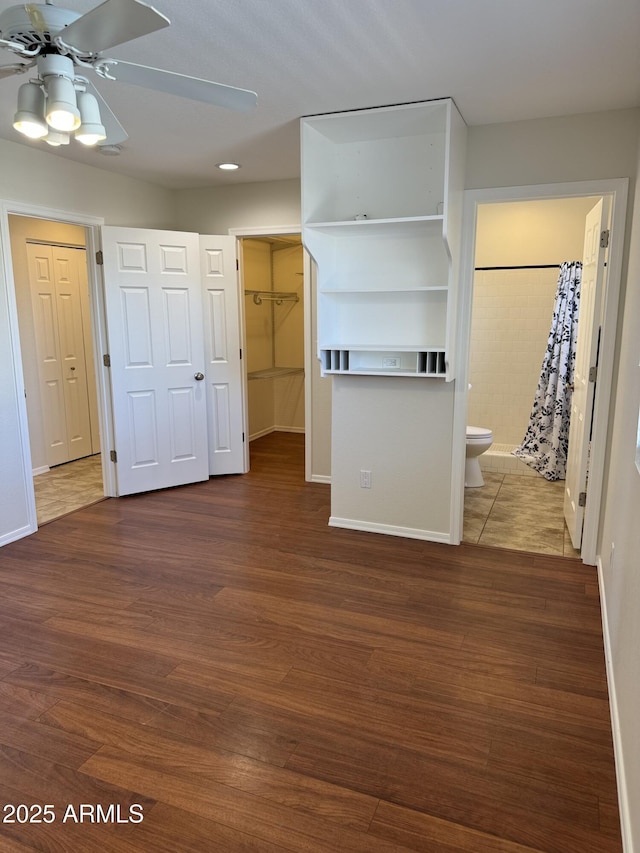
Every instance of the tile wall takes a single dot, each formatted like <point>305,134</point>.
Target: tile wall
<point>512,312</point>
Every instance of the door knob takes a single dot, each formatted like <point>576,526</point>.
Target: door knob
<point>199,376</point>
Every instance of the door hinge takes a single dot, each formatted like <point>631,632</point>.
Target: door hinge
<point>593,373</point>
<point>243,437</point>
<point>99,258</point>
<point>604,239</point>
<point>582,499</point>
<point>106,360</point>
<point>237,265</point>
<point>240,353</point>
<point>113,455</point>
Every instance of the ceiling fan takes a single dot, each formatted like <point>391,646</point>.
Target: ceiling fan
<point>58,44</point>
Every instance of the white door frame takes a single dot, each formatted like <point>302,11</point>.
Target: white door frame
<point>266,231</point>
<point>98,325</point>
<point>617,190</point>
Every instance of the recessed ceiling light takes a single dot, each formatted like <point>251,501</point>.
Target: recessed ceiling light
<point>228,167</point>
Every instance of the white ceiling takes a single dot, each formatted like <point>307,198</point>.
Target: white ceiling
<point>501,60</point>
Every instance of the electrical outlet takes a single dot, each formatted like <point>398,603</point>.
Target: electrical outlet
<point>365,479</point>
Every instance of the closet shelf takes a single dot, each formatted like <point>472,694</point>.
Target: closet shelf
<point>277,296</point>
<point>274,372</point>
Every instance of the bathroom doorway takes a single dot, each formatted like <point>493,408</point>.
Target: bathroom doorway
<point>520,236</point>
<point>273,295</point>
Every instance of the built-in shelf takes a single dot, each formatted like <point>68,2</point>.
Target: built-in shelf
<point>384,362</point>
<point>386,289</point>
<point>274,372</point>
<point>381,205</point>
<point>400,225</point>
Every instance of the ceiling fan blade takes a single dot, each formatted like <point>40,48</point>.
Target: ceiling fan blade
<point>116,133</point>
<point>10,70</point>
<point>111,23</point>
<point>182,85</point>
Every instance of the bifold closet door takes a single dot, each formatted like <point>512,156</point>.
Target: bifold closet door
<point>55,278</point>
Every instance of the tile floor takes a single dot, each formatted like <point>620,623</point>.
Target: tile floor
<point>68,487</point>
<point>521,513</point>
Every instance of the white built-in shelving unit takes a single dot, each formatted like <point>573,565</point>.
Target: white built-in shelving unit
<point>381,199</point>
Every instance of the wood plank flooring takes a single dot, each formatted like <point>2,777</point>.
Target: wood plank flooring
<point>218,661</point>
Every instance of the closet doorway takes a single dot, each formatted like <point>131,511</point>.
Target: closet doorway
<point>52,296</point>
<point>273,292</point>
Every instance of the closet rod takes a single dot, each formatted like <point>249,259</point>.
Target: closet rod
<point>35,242</point>
<point>523,267</point>
<point>276,296</point>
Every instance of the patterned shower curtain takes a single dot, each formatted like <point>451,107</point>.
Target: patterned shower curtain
<point>546,441</point>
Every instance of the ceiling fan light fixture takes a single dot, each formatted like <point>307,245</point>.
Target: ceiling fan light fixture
<point>91,130</point>
<point>56,138</point>
<point>29,119</point>
<point>62,111</point>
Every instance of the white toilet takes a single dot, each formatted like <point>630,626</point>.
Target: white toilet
<point>479,439</point>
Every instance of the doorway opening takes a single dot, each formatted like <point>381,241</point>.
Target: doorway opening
<point>49,261</point>
<point>604,326</point>
<point>272,282</point>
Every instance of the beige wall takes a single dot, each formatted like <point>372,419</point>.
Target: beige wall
<point>289,339</point>
<point>256,265</point>
<point>545,231</point>
<point>512,309</point>
<point>274,336</point>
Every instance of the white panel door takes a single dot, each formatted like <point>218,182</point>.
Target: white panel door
<point>591,292</point>
<point>155,332</point>
<point>222,347</point>
<point>56,298</point>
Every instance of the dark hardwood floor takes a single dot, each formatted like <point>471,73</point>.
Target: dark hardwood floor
<point>256,681</point>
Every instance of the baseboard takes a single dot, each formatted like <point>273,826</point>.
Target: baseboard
<point>321,478</point>
<point>389,529</point>
<point>271,429</point>
<point>19,533</point>
<point>621,779</point>
<point>43,469</point>
<point>260,433</point>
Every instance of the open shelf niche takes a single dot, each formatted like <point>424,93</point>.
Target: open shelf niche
<point>381,205</point>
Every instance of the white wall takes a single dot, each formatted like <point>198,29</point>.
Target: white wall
<point>621,569</point>
<point>603,145</point>
<point>552,150</point>
<point>570,148</point>
<point>33,177</point>
<point>213,210</point>
<point>411,484</point>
